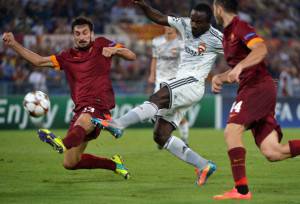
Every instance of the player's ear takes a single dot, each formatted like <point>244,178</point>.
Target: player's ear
<point>92,36</point>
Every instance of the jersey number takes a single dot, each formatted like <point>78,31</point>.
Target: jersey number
<point>236,107</point>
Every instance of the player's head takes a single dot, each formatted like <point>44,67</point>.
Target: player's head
<point>200,16</point>
<point>222,7</point>
<point>170,33</point>
<point>83,32</point>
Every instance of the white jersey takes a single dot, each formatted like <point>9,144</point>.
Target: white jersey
<point>199,54</point>
<point>167,54</point>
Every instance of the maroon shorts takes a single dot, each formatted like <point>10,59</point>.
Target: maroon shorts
<point>94,112</point>
<point>254,107</point>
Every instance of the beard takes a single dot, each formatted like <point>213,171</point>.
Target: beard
<point>84,47</point>
<point>219,20</point>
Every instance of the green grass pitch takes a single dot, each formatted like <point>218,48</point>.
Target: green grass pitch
<point>31,172</point>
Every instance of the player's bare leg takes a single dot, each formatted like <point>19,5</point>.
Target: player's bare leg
<point>163,137</point>
<point>237,154</point>
<point>274,151</point>
<point>75,144</point>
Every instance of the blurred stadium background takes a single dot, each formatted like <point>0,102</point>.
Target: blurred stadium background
<point>44,27</point>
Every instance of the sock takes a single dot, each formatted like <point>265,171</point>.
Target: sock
<point>179,149</point>
<point>140,113</point>
<point>294,147</point>
<point>74,137</point>
<point>237,157</point>
<point>89,161</point>
<point>184,131</point>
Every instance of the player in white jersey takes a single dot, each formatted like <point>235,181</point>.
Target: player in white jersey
<point>164,64</point>
<point>202,44</point>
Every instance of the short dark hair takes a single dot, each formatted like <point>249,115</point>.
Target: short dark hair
<point>228,5</point>
<point>81,20</point>
<point>204,8</point>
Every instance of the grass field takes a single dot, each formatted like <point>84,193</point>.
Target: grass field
<point>31,172</point>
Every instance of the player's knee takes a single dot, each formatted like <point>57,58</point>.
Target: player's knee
<point>159,138</point>
<point>69,165</point>
<point>271,156</point>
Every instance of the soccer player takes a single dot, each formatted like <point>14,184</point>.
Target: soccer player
<point>254,106</point>
<point>87,68</point>
<point>202,44</point>
<point>164,64</point>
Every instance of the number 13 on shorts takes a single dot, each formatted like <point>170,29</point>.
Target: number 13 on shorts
<point>236,107</point>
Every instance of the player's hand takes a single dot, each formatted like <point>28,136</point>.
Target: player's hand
<point>139,2</point>
<point>8,39</point>
<point>234,75</point>
<point>109,51</point>
<point>216,84</point>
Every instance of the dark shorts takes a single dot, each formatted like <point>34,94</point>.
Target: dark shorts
<point>94,112</point>
<point>254,108</point>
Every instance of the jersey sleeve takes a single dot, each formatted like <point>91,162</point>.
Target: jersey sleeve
<point>154,49</point>
<point>247,34</point>
<point>217,42</point>
<point>177,23</point>
<point>56,61</point>
<point>104,42</point>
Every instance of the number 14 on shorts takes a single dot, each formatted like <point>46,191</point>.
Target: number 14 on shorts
<point>236,107</point>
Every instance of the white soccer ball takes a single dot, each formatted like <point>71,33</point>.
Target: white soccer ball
<point>36,103</point>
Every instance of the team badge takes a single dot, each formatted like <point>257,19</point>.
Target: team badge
<point>201,47</point>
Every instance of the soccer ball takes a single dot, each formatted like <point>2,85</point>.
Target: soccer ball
<point>36,103</point>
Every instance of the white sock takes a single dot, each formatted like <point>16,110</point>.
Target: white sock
<point>184,131</point>
<point>138,114</point>
<point>179,149</point>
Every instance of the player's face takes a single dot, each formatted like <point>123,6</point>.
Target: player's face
<point>217,14</point>
<point>82,36</point>
<point>170,32</point>
<point>199,23</point>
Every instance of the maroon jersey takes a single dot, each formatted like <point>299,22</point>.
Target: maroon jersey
<point>88,75</point>
<point>238,36</point>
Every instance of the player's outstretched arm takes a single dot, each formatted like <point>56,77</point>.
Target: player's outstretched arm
<point>121,52</point>
<point>152,14</point>
<point>35,59</point>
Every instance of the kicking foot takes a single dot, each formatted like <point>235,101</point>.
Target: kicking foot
<point>120,167</point>
<point>109,126</point>
<point>48,137</point>
<point>233,194</point>
<point>203,174</point>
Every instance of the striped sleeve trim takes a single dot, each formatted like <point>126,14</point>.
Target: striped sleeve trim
<point>254,41</point>
<point>55,62</point>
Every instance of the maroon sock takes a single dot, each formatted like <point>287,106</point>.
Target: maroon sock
<point>294,147</point>
<point>89,161</point>
<point>74,137</point>
<point>237,158</point>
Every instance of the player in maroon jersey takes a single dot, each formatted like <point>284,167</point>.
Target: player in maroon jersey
<point>87,68</point>
<point>254,106</point>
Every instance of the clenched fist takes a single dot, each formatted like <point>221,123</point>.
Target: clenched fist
<point>8,39</point>
<point>109,51</point>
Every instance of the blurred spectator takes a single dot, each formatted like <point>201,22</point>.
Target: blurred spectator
<point>38,80</point>
<point>276,20</point>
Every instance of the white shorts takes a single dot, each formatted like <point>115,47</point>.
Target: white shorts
<point>184,93</point>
